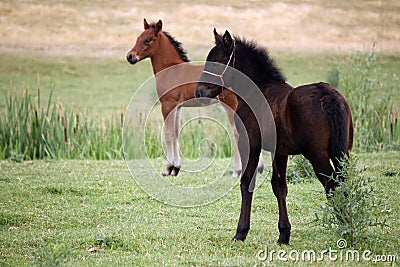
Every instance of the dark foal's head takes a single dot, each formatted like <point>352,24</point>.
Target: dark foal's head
<point>146,43</point>
<point>215,77</point>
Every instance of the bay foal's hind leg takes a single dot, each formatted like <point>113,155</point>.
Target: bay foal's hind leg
<point>177,158</point>
<point>279,187</point>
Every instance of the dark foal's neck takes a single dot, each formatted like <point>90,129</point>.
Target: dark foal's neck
<point>262,70</point>
<point>165,55</point>
<point>255,61</point>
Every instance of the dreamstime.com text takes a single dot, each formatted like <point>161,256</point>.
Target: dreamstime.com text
<point>339,253</point>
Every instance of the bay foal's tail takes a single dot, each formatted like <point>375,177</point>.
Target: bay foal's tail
<point>337,113</point>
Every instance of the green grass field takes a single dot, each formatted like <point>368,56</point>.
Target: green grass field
<point>53,208</point>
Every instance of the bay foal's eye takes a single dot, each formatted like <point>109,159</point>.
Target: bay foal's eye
<point>148,41</point>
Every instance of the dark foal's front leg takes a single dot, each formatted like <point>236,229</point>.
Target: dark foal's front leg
<point>247,196</point>
<point>279,186</point>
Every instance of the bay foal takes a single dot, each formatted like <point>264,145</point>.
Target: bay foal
<point>176,88</point>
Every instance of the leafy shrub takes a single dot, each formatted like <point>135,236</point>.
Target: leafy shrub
<point>351,209</point>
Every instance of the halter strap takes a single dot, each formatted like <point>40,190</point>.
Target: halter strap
<point>221,76</point>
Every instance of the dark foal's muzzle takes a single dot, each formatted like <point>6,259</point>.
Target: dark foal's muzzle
<point>202,94</point>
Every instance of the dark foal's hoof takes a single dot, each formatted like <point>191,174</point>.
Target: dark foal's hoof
<point>240,235</point>
<point>168,171</point>
<point>238,238</point>
<point>175,171</point>
<point>284,236</point>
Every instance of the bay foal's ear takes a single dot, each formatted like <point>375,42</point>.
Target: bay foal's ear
<point>227,40</point>
<point>218,38</point>
<point>158,26</point>
<point>145,24</point>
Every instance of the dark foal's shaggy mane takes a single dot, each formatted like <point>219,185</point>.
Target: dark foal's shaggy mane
<point>258,56</point>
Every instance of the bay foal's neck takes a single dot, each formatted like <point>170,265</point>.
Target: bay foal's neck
<point>165,55</point>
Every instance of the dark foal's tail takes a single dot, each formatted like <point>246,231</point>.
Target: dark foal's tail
<point>336,113</point>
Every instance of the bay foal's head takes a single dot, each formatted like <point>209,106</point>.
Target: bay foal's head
<point>146,43</point>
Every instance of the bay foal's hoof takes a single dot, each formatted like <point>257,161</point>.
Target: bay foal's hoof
<point>260,168</point>
<point>284,236</point>
<point>236,173</point>
<point>175,171</point>
<point>171,171</point>
<point>168,170</point>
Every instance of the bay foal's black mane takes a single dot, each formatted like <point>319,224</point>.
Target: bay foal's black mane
<point>178,47</point>
<point>260,63</point>
<point>175,43</point>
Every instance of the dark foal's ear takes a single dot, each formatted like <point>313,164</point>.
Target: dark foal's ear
<point>227,40</point>
<point>158,26</point>
<point>218,38</point>
<point>145,24</point>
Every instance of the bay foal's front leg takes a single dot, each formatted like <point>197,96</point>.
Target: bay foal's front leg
<point>177,157</point>
<point>279,186</point>
<point>169,114</point>
<point>246,189</point>
<point>237,165</point>
<point>229,105</point>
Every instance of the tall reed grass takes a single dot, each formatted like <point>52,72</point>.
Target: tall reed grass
<point>375,116</point>
<point>31,128</point>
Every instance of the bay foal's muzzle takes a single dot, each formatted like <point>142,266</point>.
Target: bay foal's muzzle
<point>133,59</point>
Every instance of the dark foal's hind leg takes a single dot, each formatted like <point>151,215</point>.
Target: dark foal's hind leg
<point>279,186</point>
<point>324,170</point>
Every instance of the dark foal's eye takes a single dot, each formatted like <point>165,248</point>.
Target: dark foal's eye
<point>148,41</point>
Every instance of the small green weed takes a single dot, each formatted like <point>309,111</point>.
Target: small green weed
<point>301,170</point>
<point>53,255</point>
<point>110,242</point>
